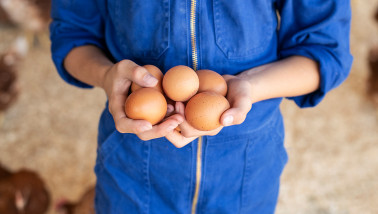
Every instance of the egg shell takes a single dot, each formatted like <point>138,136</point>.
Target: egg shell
<point>154,71</point>
<point>146,104</point>
<point>204,110</point>
<point>211,81</point>
<point>180,83</point>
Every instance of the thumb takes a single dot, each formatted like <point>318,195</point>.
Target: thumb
<point>233,116</point>
<point>142,77</point>
<point>236,114</point>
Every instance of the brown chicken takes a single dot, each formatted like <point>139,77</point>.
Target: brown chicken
<point>373,77</point>
<point>8,82</point>
<point>84,206</point>
<point>8,76</point>
<point>22,192</point>
<point>4,19</point>
<point>32,15</point>
<point>4,172</point>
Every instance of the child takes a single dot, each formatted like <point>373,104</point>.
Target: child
<point>302,55</point>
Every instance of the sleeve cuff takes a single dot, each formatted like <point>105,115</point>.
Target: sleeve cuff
<point>60,50</point>
<point>333,71</point>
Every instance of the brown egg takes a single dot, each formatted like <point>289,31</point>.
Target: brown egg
<point>155,71</point>
<point>204,110</point>
<point>180,83</point>
<point>146,104</point>
<point>211,81</point>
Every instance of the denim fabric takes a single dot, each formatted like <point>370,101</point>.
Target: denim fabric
<point>241,165</point>
<point>240,172</point>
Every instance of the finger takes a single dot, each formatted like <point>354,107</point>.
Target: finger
<point>136,73</point>
<point>237,113</point>
<point>170,110</point>
<point>162,129</point>
<point>122,123</point>
<point>180,108</point>
<point>233,116</point>
<point>214,132</point>
<point>189,131</point>
<point>178,140</point>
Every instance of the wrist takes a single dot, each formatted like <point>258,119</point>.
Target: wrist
<point>104,78</point>
<point>88,64</point>
<point>103,75</point>
<point>254,85</point>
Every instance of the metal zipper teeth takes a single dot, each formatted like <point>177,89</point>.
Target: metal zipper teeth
<point>195,67</point>
<point>198,175</point>
<point>193,33</point>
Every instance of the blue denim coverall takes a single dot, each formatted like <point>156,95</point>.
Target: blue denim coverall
<point>239,169</point>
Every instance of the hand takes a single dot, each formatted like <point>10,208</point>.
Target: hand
<point>116,84</point>
<point>240,98</point>
<point>188,133</point>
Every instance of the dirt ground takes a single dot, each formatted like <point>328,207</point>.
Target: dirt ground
<point>333,148</point>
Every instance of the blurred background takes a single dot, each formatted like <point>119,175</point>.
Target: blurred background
<point>50,127</point>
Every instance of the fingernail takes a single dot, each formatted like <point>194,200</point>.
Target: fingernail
<point>228,120</point>
<point>145,128</point>
<point>149,79</point>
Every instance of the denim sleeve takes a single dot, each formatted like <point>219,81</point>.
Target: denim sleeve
<point>74,23</point>
<point>319,30</point>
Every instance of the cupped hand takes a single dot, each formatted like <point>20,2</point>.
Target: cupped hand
<point>239,95</point>
<point>116,84</point>
<point>187,132</point>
